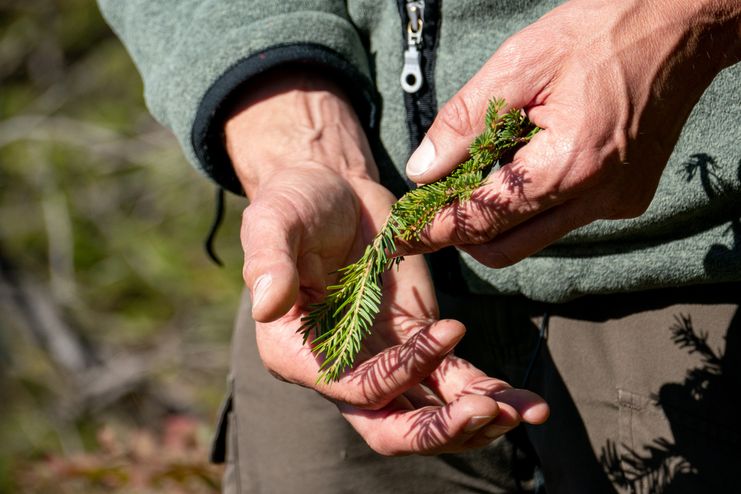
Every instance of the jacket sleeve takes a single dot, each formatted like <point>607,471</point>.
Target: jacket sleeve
<point>193,54</point>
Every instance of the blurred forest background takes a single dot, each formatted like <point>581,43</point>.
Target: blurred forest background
<point>114,325</point>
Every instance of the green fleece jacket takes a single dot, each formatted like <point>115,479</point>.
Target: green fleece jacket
<point>194,54</point>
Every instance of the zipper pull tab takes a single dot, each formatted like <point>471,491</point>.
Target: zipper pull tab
<point>411,75</point>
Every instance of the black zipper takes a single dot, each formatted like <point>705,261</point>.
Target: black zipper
<point>419,94</point>
<point>420,23</point>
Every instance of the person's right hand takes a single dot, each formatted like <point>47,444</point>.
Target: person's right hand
<point>611,84</point>
<point>314,205</point>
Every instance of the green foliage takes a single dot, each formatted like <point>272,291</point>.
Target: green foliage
<point>101,218</point>
<point>345,317</point>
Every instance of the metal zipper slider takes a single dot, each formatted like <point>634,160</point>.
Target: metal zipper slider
<point>411,75</point>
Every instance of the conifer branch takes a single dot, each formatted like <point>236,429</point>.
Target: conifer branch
<point>346,316</point>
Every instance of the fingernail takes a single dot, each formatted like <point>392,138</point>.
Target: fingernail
<point>421,159</point>
<point>477,422</point>
<point>493,431</point>
<point>260,289</point>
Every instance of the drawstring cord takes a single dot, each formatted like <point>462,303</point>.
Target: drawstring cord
<point>215,224</point>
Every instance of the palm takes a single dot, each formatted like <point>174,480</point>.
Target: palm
<point>335,219</point>
<point>381,396</point>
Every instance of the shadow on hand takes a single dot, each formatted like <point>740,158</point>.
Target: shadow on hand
<point>376,376</point>
<point>476,219</point>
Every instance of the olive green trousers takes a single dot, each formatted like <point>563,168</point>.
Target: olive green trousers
<point>643,388</point>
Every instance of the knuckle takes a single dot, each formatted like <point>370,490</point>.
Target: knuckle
<point>251,267</point>
<point>255,214</point>
<point>518,58</point>
<point>513,51</point>
<point>458,118</point>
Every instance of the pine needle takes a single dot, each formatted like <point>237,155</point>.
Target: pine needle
<point>346,315</point>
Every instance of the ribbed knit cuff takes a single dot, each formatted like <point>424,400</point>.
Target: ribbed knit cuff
<point>208,126</point>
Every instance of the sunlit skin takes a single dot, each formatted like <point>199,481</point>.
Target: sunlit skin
<point>612,84</point>
<point>313,207</point>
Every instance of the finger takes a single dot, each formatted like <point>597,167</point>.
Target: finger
<point>269,242</point>
<point>485,436</point>
<point>508,74</point>
<point>430,430</point>
<point>533,235</point>
<point>378,380</point>
<point>545,174</point>
<point>421,396</point>
<point>521,404</point>
<point>456,377</point>
<point>534,182</point>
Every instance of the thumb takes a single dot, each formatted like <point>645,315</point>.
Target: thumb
<point>461,118</point>
<point>270,243</point>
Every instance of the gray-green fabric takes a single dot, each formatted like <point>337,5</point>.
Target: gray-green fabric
<point>691,233</point>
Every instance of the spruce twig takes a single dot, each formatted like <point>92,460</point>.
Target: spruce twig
<point>346,316</point>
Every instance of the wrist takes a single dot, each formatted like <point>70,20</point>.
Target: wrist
<point>295,117</point>
<point>669,51</point>
<point>712,30</point>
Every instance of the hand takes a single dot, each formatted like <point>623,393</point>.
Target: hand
<point>611,83</point>
<point>315,204</point>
